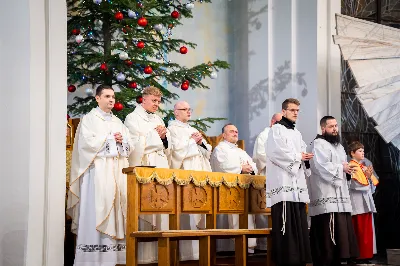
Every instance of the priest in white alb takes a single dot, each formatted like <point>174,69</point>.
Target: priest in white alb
<point>227,157</point>
<point>97,195</point>
<point>332,235</point>
<point>189,151</point>
<point>150,138</point>
<point>260,159</point>
<point>287,189</point>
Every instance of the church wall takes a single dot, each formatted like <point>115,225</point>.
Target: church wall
<point>32,171</point>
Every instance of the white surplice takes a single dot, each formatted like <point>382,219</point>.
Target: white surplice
<point>327,184</point>
<point>148,150</point>
<point>260,159</point>
<point>229,158</point>
<point>97,194</point>
<point>285,170</point>
<point>186,154</point>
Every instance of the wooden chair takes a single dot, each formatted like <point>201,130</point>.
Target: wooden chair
<point>157,191</point>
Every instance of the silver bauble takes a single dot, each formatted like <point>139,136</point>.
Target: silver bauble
<point>89,92</point>
<point>213,75</point>
<point>123,56</point>
<point>121,77</point>
<point>158,27</point>
<point>132,14</point>
<point>189,5</point>
<point>79,38</point>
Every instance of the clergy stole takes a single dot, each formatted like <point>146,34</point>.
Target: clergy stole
<point>95,144</point>
<point>149,149</point>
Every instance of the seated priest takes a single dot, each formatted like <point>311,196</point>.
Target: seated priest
<point>229,158</point>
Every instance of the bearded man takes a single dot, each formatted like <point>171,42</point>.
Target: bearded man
<point>332,235</point>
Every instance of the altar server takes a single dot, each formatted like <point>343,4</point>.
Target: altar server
<point>287,188</point>
<point>332,234</point>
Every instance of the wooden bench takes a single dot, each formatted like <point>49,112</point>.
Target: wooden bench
<point>176,192</point>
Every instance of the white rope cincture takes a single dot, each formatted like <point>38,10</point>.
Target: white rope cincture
<point>283,230</point>
<point>332,228</point>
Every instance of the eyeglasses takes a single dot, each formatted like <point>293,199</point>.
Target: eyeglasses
<point>293,110</point>
<point>186,109</point>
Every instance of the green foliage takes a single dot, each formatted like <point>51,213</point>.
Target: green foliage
<point>105,37</point>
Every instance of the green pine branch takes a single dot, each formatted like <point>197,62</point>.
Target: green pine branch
<point>104,37</point>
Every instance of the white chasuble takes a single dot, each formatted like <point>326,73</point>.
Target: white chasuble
<point>229,158</point>
<point>260,159</point>
<point>148,150</point>
<point>188,155</point>
<point>98,189</point>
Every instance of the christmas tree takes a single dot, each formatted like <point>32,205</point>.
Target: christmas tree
<point>124,43</point>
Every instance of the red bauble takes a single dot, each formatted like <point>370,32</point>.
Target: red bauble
<point>185,86</point>
<point>148,70</point>
<point>140,45</point>
<point>71,88</point>
<point>132,85</point>
<point>68,116</point>
<point>186,82</point>
<point>119,16</point>
<point>76,31</point>
<point>103,67</point>
<point>126,29</point>
<point>170,26</point>
<point>128,62</point>
<point>175,14</point>
<point>118,106</point>
<point>139,99</point>
<point>142,22</point>
<point>183,50</point>
<point>139,5</point>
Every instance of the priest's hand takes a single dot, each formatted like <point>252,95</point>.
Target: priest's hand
<point>198,138</point>
<point>306,156</point>
<point>247,168</point>
<point>162,131</point>
<point>118,137</point>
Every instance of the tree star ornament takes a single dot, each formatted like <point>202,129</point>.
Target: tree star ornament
<point>123,56</point>
<point>121,77</point>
